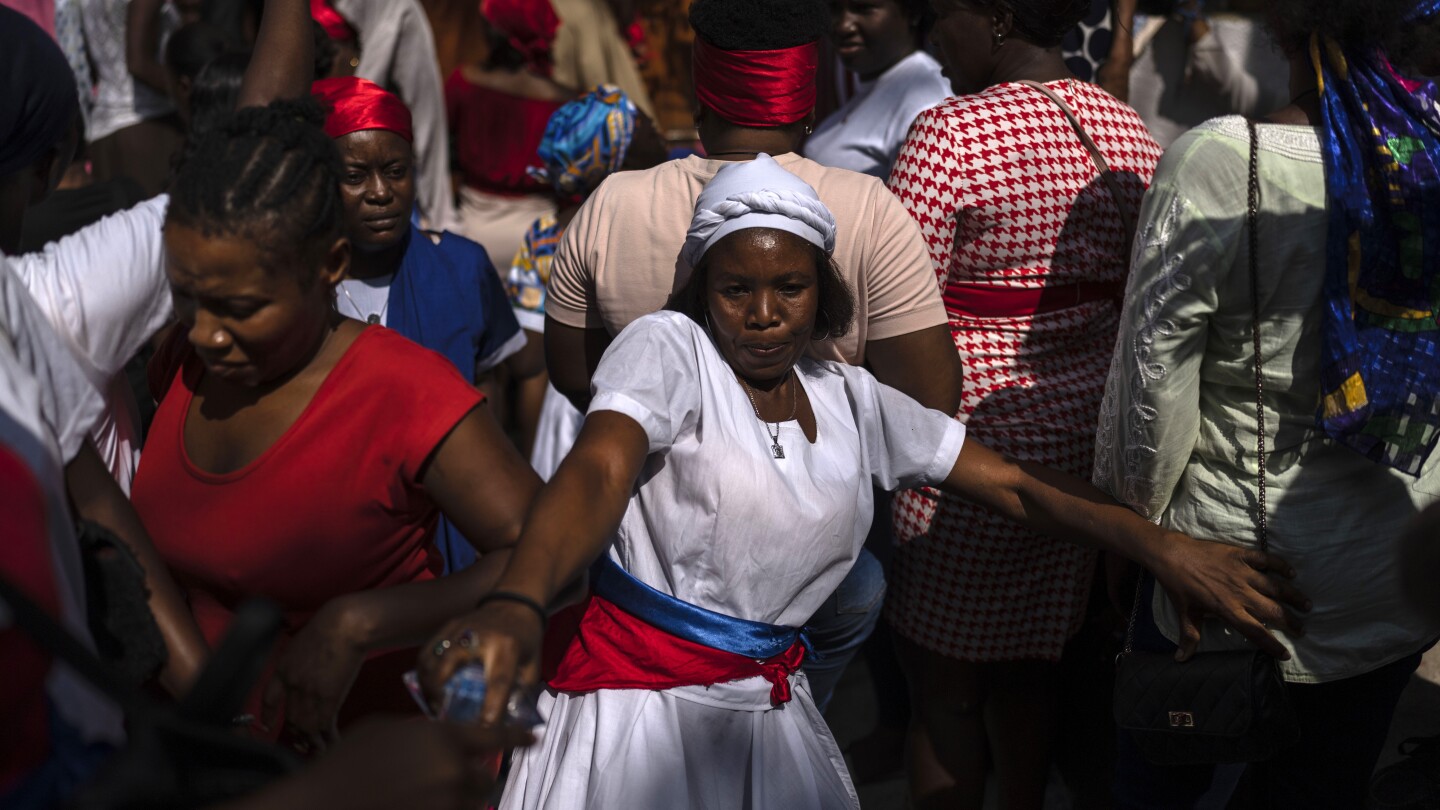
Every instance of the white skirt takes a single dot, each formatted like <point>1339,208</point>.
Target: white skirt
<point>555,433</point>
<point>703,748</point>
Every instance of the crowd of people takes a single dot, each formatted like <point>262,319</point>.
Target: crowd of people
<point>328,384</point>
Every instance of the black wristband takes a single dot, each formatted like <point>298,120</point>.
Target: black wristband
<point>519,598</point>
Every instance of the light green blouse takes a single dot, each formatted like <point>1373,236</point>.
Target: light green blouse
<point>1177,435</point>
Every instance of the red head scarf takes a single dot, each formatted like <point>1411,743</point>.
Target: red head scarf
<point>353,104</point>
<point>529,24</point>
<point>335,26</point>
<point>757,88</point>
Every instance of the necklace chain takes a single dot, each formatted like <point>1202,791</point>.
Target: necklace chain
<point>372,318</point>
<point>776,449</point>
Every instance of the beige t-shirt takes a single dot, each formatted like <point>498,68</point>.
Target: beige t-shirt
<point>620,257</point>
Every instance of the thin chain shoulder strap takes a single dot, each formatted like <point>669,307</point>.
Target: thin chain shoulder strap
<point>1253,216</point>
<point>1252,222</point>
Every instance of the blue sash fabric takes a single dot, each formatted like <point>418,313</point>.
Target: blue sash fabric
<point>441,298</point>
<point>683,620</point>
<point>1380,336</point>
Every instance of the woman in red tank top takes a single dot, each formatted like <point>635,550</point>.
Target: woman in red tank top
<point>302,456</point>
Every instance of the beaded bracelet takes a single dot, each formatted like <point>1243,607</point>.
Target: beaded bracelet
<point>518,598</point>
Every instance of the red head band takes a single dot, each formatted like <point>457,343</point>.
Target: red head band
<point>353,104</point>
<point>335,26</point>
<point>530,26</point>
<point>757,88</point>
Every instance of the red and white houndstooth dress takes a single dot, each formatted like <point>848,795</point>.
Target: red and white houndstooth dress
<point>1011,205</point>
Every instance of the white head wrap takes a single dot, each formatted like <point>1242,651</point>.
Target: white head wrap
<point>757,194</point>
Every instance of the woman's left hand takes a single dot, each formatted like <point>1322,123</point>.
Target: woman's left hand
<point>1246,588</point>
<point>313,676</point>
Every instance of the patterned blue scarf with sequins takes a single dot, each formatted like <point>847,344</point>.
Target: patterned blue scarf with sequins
<point>1380,369</point>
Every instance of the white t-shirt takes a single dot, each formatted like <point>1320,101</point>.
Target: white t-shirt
<point>717,521</point>
<point>362,298</point>
<point>365,299</point>
<point>104,290</point>
<point>866,133</point>
<point>46,408</point>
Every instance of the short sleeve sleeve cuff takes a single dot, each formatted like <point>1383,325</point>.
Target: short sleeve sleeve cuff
<point>946,453</point>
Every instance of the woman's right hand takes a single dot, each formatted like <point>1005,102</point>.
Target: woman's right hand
<point>1246,588</point>
<point>503,637</point>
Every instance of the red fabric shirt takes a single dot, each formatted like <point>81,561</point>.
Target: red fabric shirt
<point>497,136</point>
<point>25,563</point>
<point>334,506</point>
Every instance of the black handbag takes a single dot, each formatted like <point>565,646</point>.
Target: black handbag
<point>118,606</point>
<point>186,755</point>
<point>1218,707</point>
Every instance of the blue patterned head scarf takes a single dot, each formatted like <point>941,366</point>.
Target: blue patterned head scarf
<point>1380,370</point>
<point>586,140</point>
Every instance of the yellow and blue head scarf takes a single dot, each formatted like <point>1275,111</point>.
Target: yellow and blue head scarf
<point>586,140</point>
<point>1380,371</point>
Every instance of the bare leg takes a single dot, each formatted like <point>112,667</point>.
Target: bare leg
<point>1020,719</point>
<point>946,751</point>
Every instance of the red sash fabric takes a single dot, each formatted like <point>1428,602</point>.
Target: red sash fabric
<point>335,26</point>
<point>757,88</point>
<point>995,301</point>
<point>597,645</point>
<point>353,104</point>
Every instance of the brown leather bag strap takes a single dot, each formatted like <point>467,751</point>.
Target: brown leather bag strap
<point>1111,181</point>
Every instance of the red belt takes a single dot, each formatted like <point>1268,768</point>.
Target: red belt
<point>996,301</point>
<point>597,645</point>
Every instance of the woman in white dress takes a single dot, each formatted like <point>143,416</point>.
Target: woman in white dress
<point>724,482</point>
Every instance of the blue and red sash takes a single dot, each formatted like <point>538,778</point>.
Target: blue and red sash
<point>627,635</point>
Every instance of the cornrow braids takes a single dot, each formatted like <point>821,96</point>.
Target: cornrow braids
<point>268,174</point>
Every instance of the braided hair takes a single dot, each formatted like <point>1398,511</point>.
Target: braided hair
<point>1043,23</point>
<point>268,174</point>
<point>760,25</point>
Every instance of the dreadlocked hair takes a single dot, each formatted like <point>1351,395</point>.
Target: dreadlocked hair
<point>760,25</point>
<point>268,174</point>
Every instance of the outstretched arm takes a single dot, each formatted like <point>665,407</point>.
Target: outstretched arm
<point>283,63</point>
<point>1246,588</point>
<point>485,488</point>
<point>572,520</point>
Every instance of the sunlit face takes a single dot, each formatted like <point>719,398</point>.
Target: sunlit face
<point>377,187</point>
<point>964,35</point>
<point>250,323</point>
<point>762,294</point>
<point>870,36</point>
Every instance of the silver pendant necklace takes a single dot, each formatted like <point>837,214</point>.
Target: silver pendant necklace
<point>373,318</point>
<point>776,449</point>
